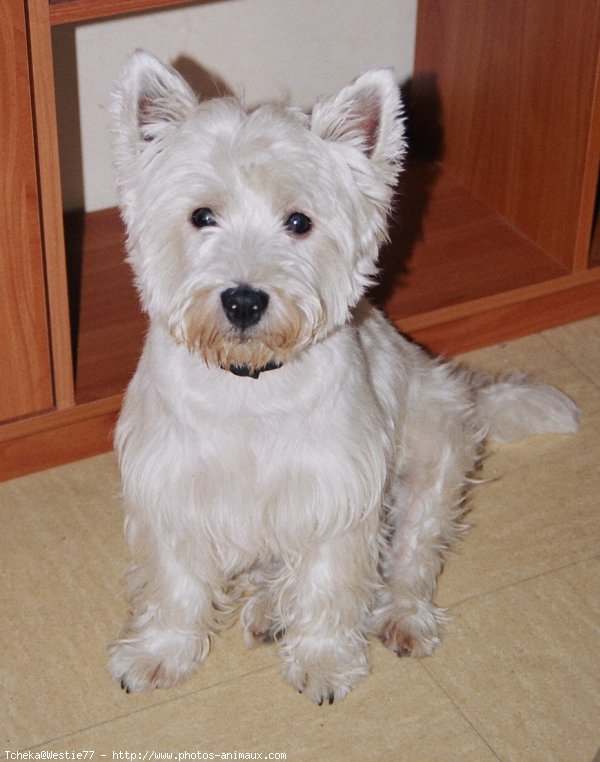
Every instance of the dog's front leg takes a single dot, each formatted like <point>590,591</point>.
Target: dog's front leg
<point>173,611</point>
<point>324,602</point>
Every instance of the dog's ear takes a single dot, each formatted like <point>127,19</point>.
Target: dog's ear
<point>366,114</point>
<point>149,101</point>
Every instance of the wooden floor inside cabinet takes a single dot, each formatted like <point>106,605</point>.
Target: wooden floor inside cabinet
<point>448,250</point>
<point>455,276</point>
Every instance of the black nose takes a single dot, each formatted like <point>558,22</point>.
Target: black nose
<point>244,305</point>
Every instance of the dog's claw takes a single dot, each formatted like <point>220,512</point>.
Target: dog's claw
<point>405,649</point>
<point>330,698</point>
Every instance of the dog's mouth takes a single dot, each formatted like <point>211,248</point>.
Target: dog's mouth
<point>248,371</point>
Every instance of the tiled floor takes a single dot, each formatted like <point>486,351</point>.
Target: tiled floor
<point>517,677</point>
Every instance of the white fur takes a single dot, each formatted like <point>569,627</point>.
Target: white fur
<point>324,491</point>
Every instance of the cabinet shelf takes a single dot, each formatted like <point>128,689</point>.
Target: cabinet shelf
<point>466,256</point>
<point>74,11</point>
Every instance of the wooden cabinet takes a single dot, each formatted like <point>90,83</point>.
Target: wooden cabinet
<point>492,238</point>
<point>25,369</point>
<point>507,95</point>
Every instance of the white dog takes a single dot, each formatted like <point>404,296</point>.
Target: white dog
<point>279,436</point>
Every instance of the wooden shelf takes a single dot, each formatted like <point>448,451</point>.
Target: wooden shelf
<point>455,249</point>
<point>450,254</point>
<point>73,11</point>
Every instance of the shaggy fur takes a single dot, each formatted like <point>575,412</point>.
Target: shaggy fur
<point>325,485</point>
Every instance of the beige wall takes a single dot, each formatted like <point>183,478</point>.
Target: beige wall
<point>296,49</point>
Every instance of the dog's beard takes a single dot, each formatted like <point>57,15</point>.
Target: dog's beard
<point>285,330</point>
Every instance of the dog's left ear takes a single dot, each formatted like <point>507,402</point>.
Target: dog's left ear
<point>366,114</point>
<point>150,100</point>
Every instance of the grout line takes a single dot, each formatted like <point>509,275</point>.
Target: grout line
<point>143,709</point>
<point>460,711</point>
<point>568,358</point>
<point>518,582</point>
<point>424,666</point>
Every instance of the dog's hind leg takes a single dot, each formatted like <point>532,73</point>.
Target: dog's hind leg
<point>258,618</point>
<point>442,442</point>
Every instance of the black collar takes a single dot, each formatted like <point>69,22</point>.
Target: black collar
<point>246,370</point>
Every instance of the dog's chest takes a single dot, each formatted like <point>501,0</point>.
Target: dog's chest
<point>270,483</point>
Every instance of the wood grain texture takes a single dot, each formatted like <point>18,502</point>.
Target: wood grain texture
<point>69,11</point>
<point>51,201</point>
<point>452,248</point>
<point>527,311</point>
<point>62,441</point>
<point>516,81</point>
<point>25,374</point>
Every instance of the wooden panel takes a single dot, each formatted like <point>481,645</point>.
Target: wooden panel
<point>51,202</point>
<point>449,333</point>
<point>25,374</point>
<point>109,324</point>
<point>56,438</point>
<point>67,11</point>
<point>447,247</point>
<point>515,81</point>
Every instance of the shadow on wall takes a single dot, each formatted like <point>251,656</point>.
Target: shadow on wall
<point>204,83</point>
<point>425,140</point>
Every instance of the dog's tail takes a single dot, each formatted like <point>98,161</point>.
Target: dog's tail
<point>517,406</point>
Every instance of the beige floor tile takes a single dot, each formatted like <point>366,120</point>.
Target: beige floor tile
<point>62,561</point>
<point>397,713</point>
<point>580,342</point>
<point>524,666</point>
<point>517,675</point>
<point>533,354</point>
<point>539,509</point>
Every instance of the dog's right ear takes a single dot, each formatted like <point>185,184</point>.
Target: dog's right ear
<point>367,114</point>
<point>150,100</point>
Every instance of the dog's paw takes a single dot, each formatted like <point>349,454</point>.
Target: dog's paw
<point>257,624</point>
<point>261,636</point>
<point>327,675</point>
<point>413,634</point>
<point>138,671</point>
<point>317,686</point>
<point>139,665</point>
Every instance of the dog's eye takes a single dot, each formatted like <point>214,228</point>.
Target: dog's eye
<point>298,223</point>
<point>203,218</point>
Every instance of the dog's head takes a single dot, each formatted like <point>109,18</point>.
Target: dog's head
<point>253,234</point>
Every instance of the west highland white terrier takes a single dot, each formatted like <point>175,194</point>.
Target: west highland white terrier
<point>280,442</point>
